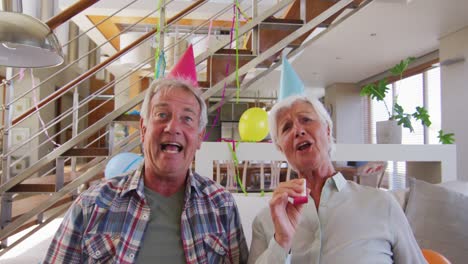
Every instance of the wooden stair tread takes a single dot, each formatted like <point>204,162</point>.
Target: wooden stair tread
<point>25,205</point>
<point>46,184</point>
<point>86,152</point>
<point>50,179</point>
<point>233,52</point>
<point>42,184</point>
<point>204,84</point>
<point>283,21</point>
<point>128,118</point>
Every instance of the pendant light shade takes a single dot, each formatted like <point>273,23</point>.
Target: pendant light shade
<point>26,42</point>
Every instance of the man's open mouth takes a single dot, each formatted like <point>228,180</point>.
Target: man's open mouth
<point>171,147</point>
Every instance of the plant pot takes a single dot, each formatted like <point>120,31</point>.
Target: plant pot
<point>388,132</point>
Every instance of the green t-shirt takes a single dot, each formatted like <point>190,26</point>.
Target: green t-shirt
<point>162,242</point>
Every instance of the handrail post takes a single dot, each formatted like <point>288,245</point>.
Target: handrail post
<point>162,25</point>
<point>7,116</point>
<point>6,198</point>
<point>76,103</point>
<point>303,11</point>
<point>5,214</point>
<point>255,30</point>
<point>111,141</point>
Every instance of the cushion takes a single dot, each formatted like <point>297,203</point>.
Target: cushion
<point>439,219</point>
<point>457,186</point>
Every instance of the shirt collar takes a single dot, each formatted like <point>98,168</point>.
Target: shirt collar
<point>338,180</point>
<point>189,184</point>
<point>136,183</point>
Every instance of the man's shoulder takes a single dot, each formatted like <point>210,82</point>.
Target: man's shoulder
<point>104,192</point>
<point>213,190</point>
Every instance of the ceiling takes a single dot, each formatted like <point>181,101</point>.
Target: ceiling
<point>367,43</point>
<point>348,53</point>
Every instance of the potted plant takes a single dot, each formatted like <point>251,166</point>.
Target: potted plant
<point>390,130</point>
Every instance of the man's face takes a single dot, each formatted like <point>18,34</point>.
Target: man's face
<point>171,135</point>
<point>303,137</point>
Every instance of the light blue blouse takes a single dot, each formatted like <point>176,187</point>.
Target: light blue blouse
<point>354,224</point>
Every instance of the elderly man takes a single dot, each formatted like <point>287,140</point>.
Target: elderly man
<point>162,213</point>
<point>343,222</point>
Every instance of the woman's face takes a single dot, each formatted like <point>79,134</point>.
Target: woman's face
<point>303,137</point>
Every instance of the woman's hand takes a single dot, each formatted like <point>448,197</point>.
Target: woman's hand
<point>285,215</point>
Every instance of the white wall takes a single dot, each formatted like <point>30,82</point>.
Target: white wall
<point>20,87</point>
<point>454,94</point>
<point>344,103</point>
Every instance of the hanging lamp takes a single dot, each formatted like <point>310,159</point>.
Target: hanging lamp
<point>26,42</point>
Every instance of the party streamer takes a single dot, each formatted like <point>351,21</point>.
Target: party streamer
<point>159,56</point>
<point>21,74</point>
<point>226,72</point>
<point>232,147</point>
<point>37,109</point>
<point>236,12</point>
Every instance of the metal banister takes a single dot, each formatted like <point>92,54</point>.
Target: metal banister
<point>70,12</point>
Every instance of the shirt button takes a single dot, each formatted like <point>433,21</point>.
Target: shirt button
<point>145,216</point>
<point>131,255</point>
<point>221,251</point>
<point>98,253</point>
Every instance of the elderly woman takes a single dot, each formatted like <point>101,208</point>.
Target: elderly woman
<point>343,222</point>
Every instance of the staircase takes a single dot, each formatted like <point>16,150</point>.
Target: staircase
<point>42,190</point>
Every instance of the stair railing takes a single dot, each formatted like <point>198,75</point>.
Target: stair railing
<point>75,110</point>
<point>82,78</point>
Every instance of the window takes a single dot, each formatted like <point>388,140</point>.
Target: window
<point>420,89</point>
<point>433,104</point>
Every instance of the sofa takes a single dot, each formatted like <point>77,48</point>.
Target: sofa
<point>437,214</point>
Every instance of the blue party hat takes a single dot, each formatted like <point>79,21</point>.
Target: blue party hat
<point>290,83</point>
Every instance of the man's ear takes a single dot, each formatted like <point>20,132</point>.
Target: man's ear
<point>142,130</point>
<point>201,136</point>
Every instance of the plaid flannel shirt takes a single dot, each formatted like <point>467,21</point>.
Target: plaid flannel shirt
<point>106,224</point>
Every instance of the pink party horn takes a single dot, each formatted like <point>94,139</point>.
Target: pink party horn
<point>304,198</point>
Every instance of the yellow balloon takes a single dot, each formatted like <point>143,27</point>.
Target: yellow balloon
<point>253,125</point>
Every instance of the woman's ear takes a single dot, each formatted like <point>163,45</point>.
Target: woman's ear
<point>278,147</point>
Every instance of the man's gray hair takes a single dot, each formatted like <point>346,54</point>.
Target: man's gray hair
<point>287,103</point>
<point>166,85</point>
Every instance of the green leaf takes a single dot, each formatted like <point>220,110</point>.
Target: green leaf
<point>398,109</point>
<point>375,91</point>
<point>367,90</point>
<point>448,138</point>
<point>402,117</point>
<point>398,69</point>
<point>405,120</point>
<point>422,115</point>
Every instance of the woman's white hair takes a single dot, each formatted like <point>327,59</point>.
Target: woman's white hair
<point>166,85</point>
<point>316,105</point>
